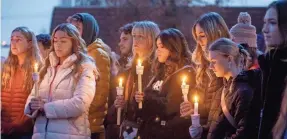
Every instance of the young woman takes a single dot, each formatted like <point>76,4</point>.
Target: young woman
<point>162,98</point>
<point>144,34</point>
<point>17,83</point>
<point>66,89</point>
<point>228,60</point>
<point>245,33</point>
<point>274,66</point>
<point>89,29</point>
<point>207,29</point>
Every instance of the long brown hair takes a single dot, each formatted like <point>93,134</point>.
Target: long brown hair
<point>79,47</point>
<point>214,27</point>
<point>180,55</point>
<point>11,63</point>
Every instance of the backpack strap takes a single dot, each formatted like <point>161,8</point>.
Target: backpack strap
<point>226,111</point>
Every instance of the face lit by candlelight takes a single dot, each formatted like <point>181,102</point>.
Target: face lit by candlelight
<point>19,43</point>
<point>161,51</point>
<point>63,44</point>
<point>141,44</point>
<point>201,37</point>
<point>219,63</point>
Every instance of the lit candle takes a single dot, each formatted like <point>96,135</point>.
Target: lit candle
<point>195,105</point>
<point>139,71</point>
<point>184,80</point>
<point>121,82</point>
<point>36,67</point>
<point>36,79</point>
<point>120,91</point>
<point>139,62</point>
<point>184,88</point>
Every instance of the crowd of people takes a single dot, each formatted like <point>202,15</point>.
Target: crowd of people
<point>67,85</point>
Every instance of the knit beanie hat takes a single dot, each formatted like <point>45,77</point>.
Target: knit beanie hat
<point>243,31</point>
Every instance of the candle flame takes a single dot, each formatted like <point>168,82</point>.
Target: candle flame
<point>120,82</point>
<point>36,66</point>
<point>195,99</point>
<point>184,80</point>
<point>139,62</point>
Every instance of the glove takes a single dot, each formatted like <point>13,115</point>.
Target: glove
<point>35,77</point>
<point>195,132</point>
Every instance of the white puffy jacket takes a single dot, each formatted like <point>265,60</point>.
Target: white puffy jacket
<point>67,100</point>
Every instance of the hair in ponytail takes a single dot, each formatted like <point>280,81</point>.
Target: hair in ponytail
<point>227,47</point>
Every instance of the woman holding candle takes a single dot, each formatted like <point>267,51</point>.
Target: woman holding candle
<point>207,29</point>
<point>66,89</point>
<point>17,83</point>
<point>228,60</point>
<point>162,98</point>
<point>144,34</point>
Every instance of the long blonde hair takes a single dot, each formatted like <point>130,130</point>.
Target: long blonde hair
<point>11,63</point>
<point>150,30</point>
<point>79,47</point>
<point>226,47</point>
<point>281,124</point>
<point>214,27</point>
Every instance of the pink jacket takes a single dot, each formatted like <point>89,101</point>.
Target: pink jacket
<point>67,101</point>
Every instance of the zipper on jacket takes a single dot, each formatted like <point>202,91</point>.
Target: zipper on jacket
<point>47,122</point>
<point>46,128</point>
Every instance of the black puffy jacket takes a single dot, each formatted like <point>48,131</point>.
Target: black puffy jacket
<point>238,95</point>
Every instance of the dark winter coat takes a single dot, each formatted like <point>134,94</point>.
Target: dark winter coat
<point>209,106</point>
<point>274,67</point>
<point>255,79</point>
<point>161,107</point>
<point>238,95</point>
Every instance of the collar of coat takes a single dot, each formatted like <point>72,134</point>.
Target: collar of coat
<point>150,84</point>
<point>241,77</point>
<point>279,53</point>
<point>68,62</point>
<point>98,43</point>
